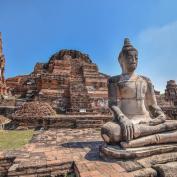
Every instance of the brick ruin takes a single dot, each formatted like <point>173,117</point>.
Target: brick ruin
<point>70,82</point>
<point>168,100</point>
<point>4,91</point>
<point>171,92</point>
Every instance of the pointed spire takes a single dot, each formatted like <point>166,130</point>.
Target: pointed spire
<point>127,45</point>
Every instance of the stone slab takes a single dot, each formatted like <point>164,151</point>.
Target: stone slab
<point>117,152</point>
<point>57,151</point>
<point>167,170</point>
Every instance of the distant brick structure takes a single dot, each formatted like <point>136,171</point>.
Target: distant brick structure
<point>69,82</point>
<point>168,100</point>
<point>171,92</point>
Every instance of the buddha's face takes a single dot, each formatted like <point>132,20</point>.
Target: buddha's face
<point>130,61</point>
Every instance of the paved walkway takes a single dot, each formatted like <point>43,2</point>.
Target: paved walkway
<point>80,146</point>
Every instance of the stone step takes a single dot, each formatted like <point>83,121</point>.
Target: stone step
<point>90,118</point>
<point>57,169</point>
<point>89,121</point>
<point>76,93</point>
<point>89,125</point>
<point>79,101</point>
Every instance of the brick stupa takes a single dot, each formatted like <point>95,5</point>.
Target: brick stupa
<point>69,82</point>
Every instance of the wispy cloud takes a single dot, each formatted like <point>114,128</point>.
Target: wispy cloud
<point>158,54</point>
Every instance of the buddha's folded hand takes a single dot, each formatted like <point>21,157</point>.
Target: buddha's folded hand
<point>158,120</point>
<point>128,129</point>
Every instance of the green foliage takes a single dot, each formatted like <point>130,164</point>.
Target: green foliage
<point>14,139</point>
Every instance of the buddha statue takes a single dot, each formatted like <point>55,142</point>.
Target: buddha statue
<point>138,120</point>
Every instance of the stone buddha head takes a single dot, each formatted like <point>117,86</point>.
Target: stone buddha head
<point>128,57</point>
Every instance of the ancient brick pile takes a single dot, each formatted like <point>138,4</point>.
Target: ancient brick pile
<point>35,109</point>
<point>69,82</point>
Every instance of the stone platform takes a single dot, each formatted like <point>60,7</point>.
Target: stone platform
<point>147,161</point>
<point>62,121</point>
<point>57,152</point>
<point>117,152</point>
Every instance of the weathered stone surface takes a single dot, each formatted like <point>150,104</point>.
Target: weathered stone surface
<point>4,90</point>
<point>140,128</point>
<point>167,169</point>
<point>117,152</point>
<point>5,164</point>
<point>150,161</point>
<point>136,113</point>
<point>58,151</point>
<point>61,121</point>
<point>146,172</point>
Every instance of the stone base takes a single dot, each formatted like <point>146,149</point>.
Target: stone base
<point>62,121</point>
<point>167,170</point>
<point>159,170</point>
<point>148,161</point>
<point>116,152</point>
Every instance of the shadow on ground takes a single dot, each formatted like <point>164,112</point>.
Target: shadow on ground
<point>92,147</point>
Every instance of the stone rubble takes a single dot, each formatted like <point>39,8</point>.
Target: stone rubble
<point>34,108</point>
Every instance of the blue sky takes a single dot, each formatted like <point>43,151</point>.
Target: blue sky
<point>34,29</point>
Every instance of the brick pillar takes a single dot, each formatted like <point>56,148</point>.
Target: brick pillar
<point>0,44</point>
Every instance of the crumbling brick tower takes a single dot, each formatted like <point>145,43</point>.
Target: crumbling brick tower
<point>3,87</point>
<point>86,87</point>
<point>0,44</point>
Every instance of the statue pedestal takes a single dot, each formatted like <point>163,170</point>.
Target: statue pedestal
<point>147,161</point>
<point>117,152</point>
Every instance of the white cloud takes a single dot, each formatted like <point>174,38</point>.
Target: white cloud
<point>158,54</point>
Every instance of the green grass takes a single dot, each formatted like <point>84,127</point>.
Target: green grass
<point>13,139</point>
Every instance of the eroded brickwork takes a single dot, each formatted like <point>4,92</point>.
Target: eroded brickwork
<point>3,88</point>
<point>171,92</point>
<point>69,82</point>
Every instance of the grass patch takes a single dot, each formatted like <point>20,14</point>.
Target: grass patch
<point>13,139</point>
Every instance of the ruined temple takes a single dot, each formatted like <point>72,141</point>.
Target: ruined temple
<point>70,82</point>
<point>168,100</point>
